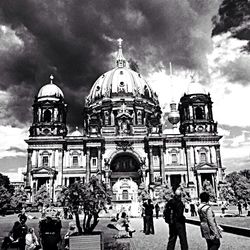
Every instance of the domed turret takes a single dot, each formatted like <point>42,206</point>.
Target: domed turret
<point>50,91</point>
<point>49,112</point>
<point>196,114</point>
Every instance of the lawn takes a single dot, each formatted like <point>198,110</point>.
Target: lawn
<point>234,221</point>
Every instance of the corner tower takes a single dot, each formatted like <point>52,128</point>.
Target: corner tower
<point>49,112</point>
<point>46,142</point>
<point>200,141</point>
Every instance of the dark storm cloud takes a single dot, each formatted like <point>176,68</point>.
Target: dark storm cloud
<point>69,39</point>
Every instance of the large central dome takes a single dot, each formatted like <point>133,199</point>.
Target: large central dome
<point>121,103</point>
<point>120,81</point>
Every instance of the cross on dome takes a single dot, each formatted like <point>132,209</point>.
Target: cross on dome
<point>51,78</point>
<point>120,60</point>
<point>120,40</point>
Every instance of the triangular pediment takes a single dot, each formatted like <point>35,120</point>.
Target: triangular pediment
<point>206,165</point>
<point>43,170</point>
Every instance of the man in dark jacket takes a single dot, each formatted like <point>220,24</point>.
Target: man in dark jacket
<point>176,222</point>
<point>149,223</point>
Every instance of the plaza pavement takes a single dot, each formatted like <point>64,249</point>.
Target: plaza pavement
<point>140,241</point>
<point>158,241</point>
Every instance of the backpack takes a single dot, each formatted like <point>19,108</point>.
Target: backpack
<point>168,213</point>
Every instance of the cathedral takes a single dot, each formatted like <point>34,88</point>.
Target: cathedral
<point>122,141</point>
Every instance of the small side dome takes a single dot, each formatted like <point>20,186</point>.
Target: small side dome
<point>50,91</point>
<point>76,133</point>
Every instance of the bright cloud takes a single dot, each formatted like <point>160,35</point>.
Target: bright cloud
<point>9,39</point>
<point>11,140</point>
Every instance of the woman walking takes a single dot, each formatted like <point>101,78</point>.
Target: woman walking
<point>209,228</point>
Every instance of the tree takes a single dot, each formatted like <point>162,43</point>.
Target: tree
<point>4,199</point>
<point>5,182</point>
<point>207,187</point>
<point>227,193</point>
<point>143,192</point>
<point>166,193</point>
<point>18,199</point>
<point>42,197</point>
<point>238,186</point>
<point>91,197</point>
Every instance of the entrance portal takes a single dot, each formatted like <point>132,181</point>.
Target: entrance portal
<point>125,165</point>
<point>208,177</point>
<point>42,181</point>
<point>175,181</point>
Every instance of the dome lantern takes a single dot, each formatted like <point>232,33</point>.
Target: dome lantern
<point>120,60</point>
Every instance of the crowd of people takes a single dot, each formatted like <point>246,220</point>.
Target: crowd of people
<point>24,238</point>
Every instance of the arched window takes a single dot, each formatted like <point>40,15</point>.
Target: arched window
<point>45,160</point>
<point>174,158</point>
<point>47,116</point>
<point>75,160</point>
<point>199,113</point>
<point>125,194</point>
<point>203,155</point>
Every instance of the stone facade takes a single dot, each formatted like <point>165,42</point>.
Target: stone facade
<point>122,138</point>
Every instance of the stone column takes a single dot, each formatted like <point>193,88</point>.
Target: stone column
<point>214,185</point>
<point>99,164</point>
<point>218,161</point>
<point>182,178</point>
<point>169,180</point>
<point>187,157</point>
<point>60,166</point>
<point>53,159</point>
<point>151,166</point>
<point>29,167</point>
<point>195,162</point>
<point>88,173</point>
<point>162,164</point>
<point>37,153</point>
<point>210,154</point>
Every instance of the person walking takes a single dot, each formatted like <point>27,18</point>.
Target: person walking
<point>157,210</point>
<point>239,208</point>
<point>245,205</point>
<point>209,228</point>
<point>223,208</point>
<point>149,222</point>
<point>143,216</point>
<point>173,214</point>
<point>192,209</point>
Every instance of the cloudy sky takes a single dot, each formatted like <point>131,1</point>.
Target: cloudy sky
<point>75,41</point>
